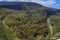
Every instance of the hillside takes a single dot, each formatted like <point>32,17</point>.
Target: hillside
<point>26,21</point>
<point>20,5</point>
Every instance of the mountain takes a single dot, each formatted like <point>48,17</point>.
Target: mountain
<point>27,21</point>
<point>20,5</point>
<point>28,6</point>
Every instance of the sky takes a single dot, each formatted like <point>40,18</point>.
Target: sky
<point>48,3</point>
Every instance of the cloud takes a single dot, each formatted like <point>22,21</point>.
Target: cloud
<point>1,0</point>
<point>46,3</point>
<point>49,3</point>
<point>25,0</point>
<point>22,0</point>
<point>10,0</point>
